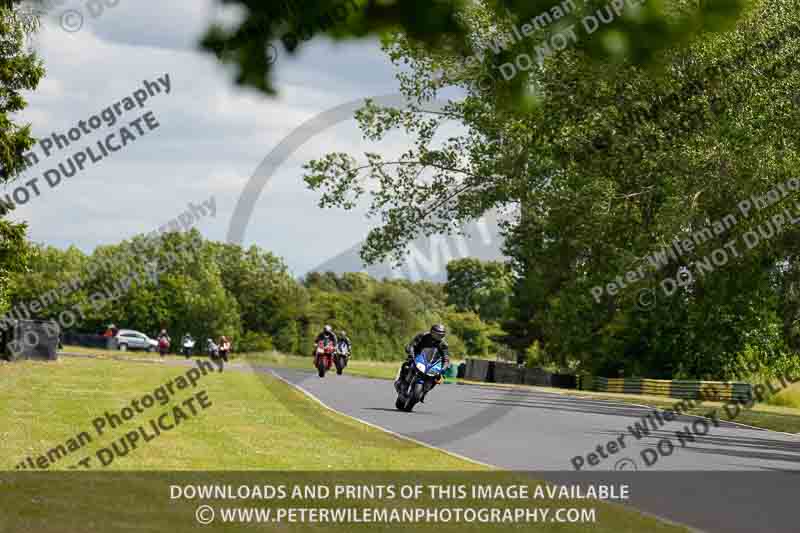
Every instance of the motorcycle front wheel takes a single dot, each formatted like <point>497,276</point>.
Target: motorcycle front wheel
<point>414,395</point>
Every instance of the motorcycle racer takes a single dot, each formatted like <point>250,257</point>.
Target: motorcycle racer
<point>343,338</point>
<point>326,335</point>
<point>431,339</point>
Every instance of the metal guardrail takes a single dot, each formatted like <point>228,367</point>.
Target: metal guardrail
<point>501,372</point>
<point>30,339</point>
<point>691,389</point>
<point>89,340</point>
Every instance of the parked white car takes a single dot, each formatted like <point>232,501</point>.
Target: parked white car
<point>128,339</point>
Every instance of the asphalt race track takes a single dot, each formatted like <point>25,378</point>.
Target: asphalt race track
<point>731,478</point>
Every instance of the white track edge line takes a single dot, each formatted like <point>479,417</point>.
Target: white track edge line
<point>462,457</point>
<point>380,428</point>
<point>621,402</point>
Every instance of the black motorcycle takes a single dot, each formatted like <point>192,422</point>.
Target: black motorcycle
<point>213,349</point>
<point>341,357</point>
<point>188,346</point>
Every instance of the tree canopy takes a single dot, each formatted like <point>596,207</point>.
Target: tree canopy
<point>610,162</point>
<point>20,70</point>
<point>210,289</point>
<point>637,29</point>
<point>482,287</point>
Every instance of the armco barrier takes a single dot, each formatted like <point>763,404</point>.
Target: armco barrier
<point>537,376</point>
<point>31,339</point>
<point>477,370</point>
<point>89,340</point>
<point>507,373</point>
<point>502,372</point>
<point>564,381</point>
<point>709,390</point>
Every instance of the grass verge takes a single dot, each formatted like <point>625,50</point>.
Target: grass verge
<point>45,404</point>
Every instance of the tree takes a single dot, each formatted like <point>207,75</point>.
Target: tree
<point>208,289</point>
<point>20,70</point>
<point>469,329</point>
<point>611,163</point>
<point>261,284</point>
<point>450,26</point>
<point>483,287</point>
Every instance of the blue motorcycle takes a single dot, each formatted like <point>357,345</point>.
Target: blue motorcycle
<point>419,380</point>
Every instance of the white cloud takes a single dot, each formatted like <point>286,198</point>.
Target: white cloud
<point>212,134</point>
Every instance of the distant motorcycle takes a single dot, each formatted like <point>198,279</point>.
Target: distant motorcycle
<point>224,349</point>
<point>419,380</point>
<point>163,346</point>
<point>188,346</point>
<point>324,357</point>
<point>213,349</point>
<point>342,356</point>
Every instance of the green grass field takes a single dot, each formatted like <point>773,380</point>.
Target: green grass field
<point>789,397</point>
<point>253,423</point>
<point>47,403</point>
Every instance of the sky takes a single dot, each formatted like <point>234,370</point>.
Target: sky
<point>209,138</point>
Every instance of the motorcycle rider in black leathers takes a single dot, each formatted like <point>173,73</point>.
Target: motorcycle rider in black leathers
<point>432,339</point>
<point>345,339</point>
<point>326,335</point>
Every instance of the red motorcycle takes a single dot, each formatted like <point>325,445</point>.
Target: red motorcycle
<point>324,358</point>
<point>163,346</point>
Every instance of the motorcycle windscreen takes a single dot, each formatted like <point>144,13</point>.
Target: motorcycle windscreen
<point>430,358</point>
